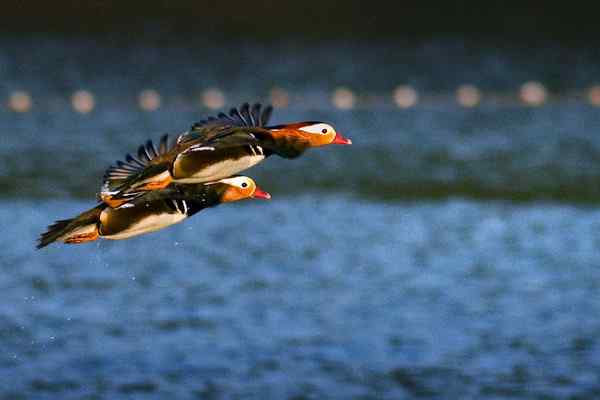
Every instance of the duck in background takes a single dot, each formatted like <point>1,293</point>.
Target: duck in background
<point>152,211</point>
<point>213,149</point>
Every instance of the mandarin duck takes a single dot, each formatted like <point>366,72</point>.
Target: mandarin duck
<point>152,211</point>
<point>212,149</point>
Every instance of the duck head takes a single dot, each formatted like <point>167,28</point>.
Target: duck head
<point>313,133</point>
<point>239,188</point>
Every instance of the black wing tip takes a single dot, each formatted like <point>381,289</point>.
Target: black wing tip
<point>52,233</point>
<point>246,114</point>
<point>163,144</point>
<point>43,242</point>
<point>120,171</point>
<point>265,116</point>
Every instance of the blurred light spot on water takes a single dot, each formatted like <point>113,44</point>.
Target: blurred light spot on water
<point>19,101</point>
<point>468,95</point>
<point>405,96</point>
<point>149,100</point>
<point>279,97</point>
<point>594,95</point>
<point>213,99</point>
<point>83,101</point>
<point>343,98</point>
<point>533,93</point>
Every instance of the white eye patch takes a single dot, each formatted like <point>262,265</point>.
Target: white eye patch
<point>318,128</point>
<point>239,181</point>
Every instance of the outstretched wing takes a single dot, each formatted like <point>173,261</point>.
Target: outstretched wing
<point>150,170</point>
<point>232,137</point>
<point>211,128</point>
<point>128,179</point>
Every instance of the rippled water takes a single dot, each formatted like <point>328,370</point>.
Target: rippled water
<point>449,253</point>
<point>451,298</point>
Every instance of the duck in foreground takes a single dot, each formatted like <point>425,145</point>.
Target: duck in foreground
<point>152,211</point>
<point>212,149</point>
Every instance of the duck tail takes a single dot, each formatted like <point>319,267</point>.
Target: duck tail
<point>83,228</point>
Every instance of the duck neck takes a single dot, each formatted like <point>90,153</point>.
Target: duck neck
<point>199,196</point>
<point>286,142</point>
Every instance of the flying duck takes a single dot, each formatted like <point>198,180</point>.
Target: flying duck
<point>152,211</point>
<point>214,148</point>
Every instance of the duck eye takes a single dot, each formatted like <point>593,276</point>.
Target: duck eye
<point>324,130</point>
<point>244,185</point>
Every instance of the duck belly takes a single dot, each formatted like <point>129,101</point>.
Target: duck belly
<point>206,172</point>
<point>124,223</point>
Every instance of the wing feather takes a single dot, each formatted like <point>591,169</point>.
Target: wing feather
<point>122,176</point>
<point>244,116</point>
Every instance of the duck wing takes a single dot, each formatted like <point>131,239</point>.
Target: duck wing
<point>230,137</point>
<point>149,170</point>
<point>246,116</point>
<point>253,120</point>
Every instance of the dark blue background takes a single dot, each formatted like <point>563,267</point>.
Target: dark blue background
<point>451,252</point>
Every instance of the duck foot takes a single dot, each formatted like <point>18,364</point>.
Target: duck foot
<point>82,238</point>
